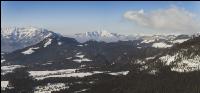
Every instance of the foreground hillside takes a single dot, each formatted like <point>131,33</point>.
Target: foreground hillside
<point>63,65</point>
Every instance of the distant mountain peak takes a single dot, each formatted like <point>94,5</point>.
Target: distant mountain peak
<point>99,33</point>
<point>13,38</point>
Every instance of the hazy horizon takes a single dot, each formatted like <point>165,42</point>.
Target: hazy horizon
<point>130,17</point>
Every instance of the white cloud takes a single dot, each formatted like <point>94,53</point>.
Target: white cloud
<point>171,19</point>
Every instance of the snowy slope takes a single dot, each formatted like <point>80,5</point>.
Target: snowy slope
<point>14,38</point>
<point>184,57</point>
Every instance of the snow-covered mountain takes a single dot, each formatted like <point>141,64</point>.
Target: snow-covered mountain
<point>157,41</point>
<point>13,38</point>
<point>102,35</point>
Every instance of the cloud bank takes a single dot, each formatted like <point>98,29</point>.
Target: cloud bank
<point>171,19</point>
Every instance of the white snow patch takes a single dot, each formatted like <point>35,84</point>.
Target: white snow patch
<point>161,45</point>
<point>148,41</point>
<point>78,53</point>
<point>47,64</point>
<point>81,91</point>
<point>179,41</point>
<point>86,59</point>
<point>181,63</point>
<point>77,60</point>
<point>40,75</point>
<point>119,73</point>
<point>3,60</point>
<point>168,59</point>
<point>187,65</point>
<point>80,74</point>
<point>91,82</point>
<point>4,85</point>
<point>49,88</point>
<point>48,35</point>
<point>9,69</point>
<point>148,58</point>
<point>80,56</point>
<point>82,60</point>
<point>29,51</point>
<point>69,58</point>
<point>48,42</point>
<point>141,62</point>
<point>59,43</point>
<point>144,67</point>
<point>80,45</point>
<point>113,63</point>
<point>82,66</point>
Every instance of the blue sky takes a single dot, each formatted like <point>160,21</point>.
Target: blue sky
<point>73,17</point>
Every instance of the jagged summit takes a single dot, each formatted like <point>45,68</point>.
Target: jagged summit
<point>13,38</point>
<point>98,33</point>
<point>101,35</point>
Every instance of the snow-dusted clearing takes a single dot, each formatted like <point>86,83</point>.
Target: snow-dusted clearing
<point>80,58</point>
<point>86,59</point>
<point>161,45</point>
<point>9,69</point>
<point>119,73</point>
<point>179,40</point>
<point>30,50</point>
<point>4,85</point>
<point>40,75</point>
<point>48,42</point>
<point>49,88</point>
<point>148,41</point>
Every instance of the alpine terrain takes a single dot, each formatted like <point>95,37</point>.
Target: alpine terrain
<point>36,60</point>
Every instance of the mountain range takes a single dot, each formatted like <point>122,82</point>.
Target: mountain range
<point>94,61</point>
<point>13,38</point>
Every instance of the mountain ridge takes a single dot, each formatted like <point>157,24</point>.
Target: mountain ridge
<point>13,38</point>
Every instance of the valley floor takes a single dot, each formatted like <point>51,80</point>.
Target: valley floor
<point>73,81</point>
